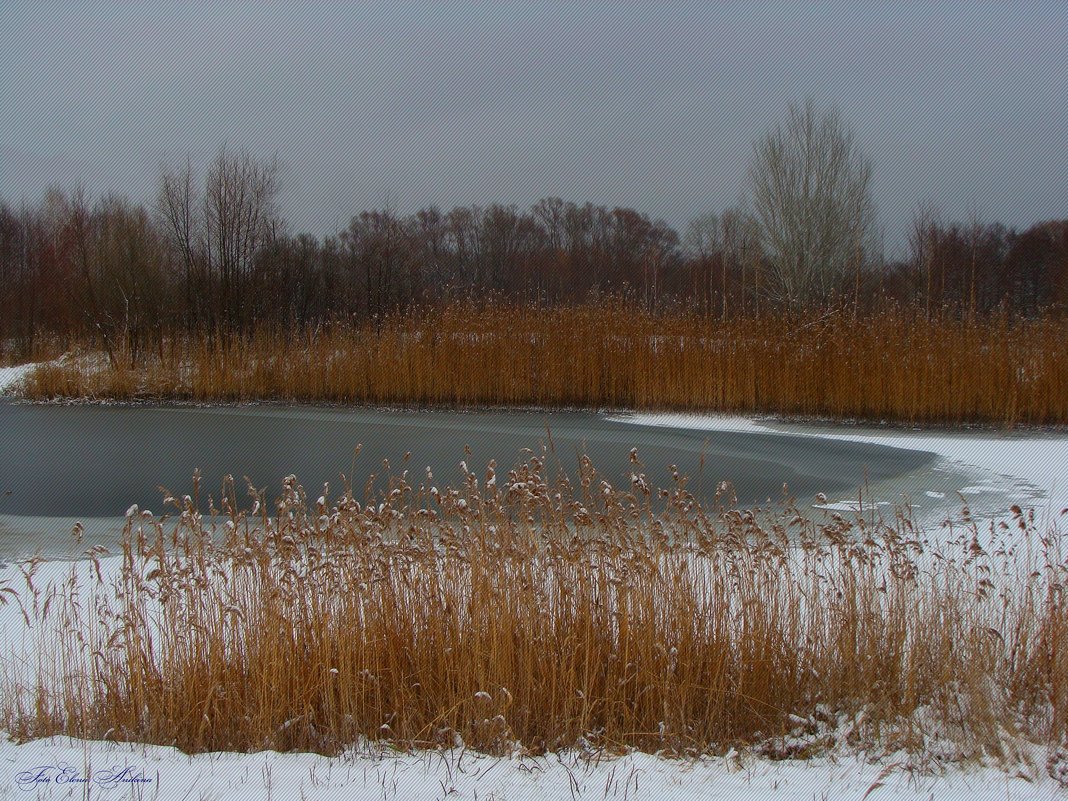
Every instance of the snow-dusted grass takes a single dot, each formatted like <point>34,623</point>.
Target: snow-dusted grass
<point>891,366</point>
<point>12,378</point>
<point>523,618</point>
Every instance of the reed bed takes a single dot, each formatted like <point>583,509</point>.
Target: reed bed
<point>521,612</point>
<point>892,365</point>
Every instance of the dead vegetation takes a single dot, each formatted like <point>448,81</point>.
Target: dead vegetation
<point>522,611</point>
<point>894,366</point>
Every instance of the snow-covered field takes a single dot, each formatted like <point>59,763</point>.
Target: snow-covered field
<point>64,768</point>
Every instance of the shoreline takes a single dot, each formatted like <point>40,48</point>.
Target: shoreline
<point>163,402</point>
<point>1025,464</point>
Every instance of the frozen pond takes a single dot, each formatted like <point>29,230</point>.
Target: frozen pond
<point>59,464</point>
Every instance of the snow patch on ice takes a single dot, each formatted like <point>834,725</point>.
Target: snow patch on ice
<point>1034,466</point>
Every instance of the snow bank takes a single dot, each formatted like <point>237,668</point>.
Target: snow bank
<point>62,768</point>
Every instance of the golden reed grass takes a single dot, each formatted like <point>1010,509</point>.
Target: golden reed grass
<point>519,611</point>
<point>888,366</point>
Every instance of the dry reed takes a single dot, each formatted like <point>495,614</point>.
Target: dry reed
<point>519,611</point>
<point>891,366</point>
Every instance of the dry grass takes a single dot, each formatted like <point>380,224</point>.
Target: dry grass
<point>518,611</point>
<point>891,366</point>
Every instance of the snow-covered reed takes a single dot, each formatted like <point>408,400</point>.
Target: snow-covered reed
<point>521,611</point>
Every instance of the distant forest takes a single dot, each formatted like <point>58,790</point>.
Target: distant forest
<point>212,257</point>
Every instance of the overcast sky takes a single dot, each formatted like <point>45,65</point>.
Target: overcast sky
<point>965,106</point>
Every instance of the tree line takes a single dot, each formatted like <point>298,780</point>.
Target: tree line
<point>212,256</point>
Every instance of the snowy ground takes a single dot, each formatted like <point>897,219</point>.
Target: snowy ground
<point>64,768</point>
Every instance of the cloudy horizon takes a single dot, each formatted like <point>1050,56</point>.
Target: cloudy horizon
<point>958,106</point>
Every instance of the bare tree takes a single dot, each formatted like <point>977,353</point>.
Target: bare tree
<point>741,252</point>
<point>177,205</point>
<point>510,237</point>
<point>216,234</point>
<point>702,245</point>
<point>922,240</point>
<point>702,238</point>
<point>239,217</point>
<point>811,200</point>
<point>381,248</point>
<point>430,235</point>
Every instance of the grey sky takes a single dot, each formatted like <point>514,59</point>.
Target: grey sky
<point>645,106</point>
